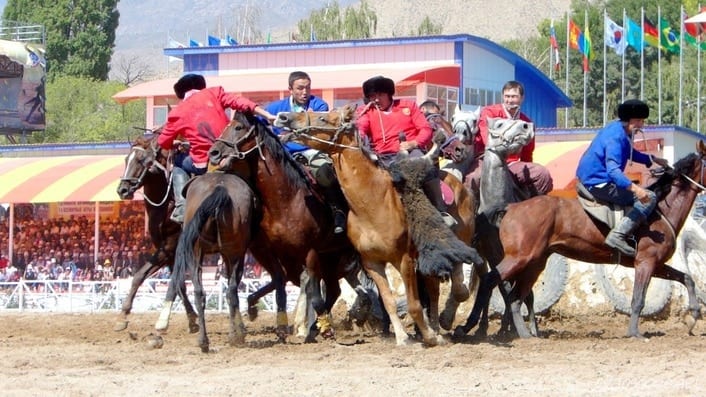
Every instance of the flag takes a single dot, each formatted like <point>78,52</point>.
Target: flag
<point>668,38</point>
<point>555,46</point>
<point>651,33</point>
<point>574,35</point>
<point>230,40</point>
<point>585,48</point>
<point>614,36</point>
<point>269,37</point>
<point>634,34</point>
<point>175,44</point>
<point>194,43</point>
<point>692,32</point>
<point>213,41</point>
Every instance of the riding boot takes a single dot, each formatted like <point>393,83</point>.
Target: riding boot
<point>616,238</point>
<point>432,189</point>
<point>179,179</point>
<point>339,206</point>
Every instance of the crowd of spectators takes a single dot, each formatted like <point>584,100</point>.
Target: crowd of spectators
<point>65,248</point>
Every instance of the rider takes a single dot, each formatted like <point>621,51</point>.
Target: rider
<point>534,176</point>
<point>199,119</point>
<point>601,171</point>
<point>301,100</point>
<point>392,125</point>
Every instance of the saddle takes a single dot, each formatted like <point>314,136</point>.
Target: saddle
<point>607,213</point>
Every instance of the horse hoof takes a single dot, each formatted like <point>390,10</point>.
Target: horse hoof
<point>252,313</point>
<point>690,322</point>
<point>237,340</point>
<point>459,332</point>
<point>120,325</point>
<point>193,328</point>
<point>154,341</point>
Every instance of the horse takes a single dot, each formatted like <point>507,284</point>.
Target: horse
<point>497,190</point>
<point>219,214</point>
<point>296,228</point>
<point>532,229</point>
<point>377,223</point>
<point>146,166</point>
<point>458,135</point>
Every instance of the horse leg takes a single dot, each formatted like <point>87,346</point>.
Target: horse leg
<point>488,282</point>
<point>531,317</point>
<point>137,280</point>
<point>200,300</point>
<point>409,276</point>
<point>643,274</point>
<point>256,296</point>
<point>282,324</point>
<point>694,311</point>
<point>303,318</point>
<point>236,336</point>
<point>377,273</point>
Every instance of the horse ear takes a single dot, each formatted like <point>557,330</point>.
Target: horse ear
<point>701,147</point>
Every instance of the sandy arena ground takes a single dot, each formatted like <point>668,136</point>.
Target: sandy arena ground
<point>80,355</point>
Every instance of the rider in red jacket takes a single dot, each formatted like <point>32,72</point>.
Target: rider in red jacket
<point>199,119</point>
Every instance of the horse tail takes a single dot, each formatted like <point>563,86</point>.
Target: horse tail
<point>210,207</point>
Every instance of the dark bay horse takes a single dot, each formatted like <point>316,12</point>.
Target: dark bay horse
<point>146,166</point>
<point>377,223</point>
<point>218,219</point>
<point>532,229</point>
<point>296,228</point>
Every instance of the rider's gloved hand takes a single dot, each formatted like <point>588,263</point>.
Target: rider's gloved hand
<point>659,161</point>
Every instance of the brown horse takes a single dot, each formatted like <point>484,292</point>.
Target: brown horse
<point>146,166</point>
<point>218,219</point>
<point>296,228</point>
<point>531,230</point>
<point>377,223</point>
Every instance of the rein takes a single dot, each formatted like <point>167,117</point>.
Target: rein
<point>343,128</point>
<point>136,182</point>
<point>238,155</point>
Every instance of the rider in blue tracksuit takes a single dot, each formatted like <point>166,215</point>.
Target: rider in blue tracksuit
<point>601,171</point>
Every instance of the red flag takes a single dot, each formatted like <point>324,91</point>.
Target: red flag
<point>574,34</point>
<point>555,46</point>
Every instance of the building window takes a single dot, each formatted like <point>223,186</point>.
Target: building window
<point>160,115</point>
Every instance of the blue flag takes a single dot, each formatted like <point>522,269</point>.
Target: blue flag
<point>213,41</point>
<point>194,43</point>
<point>634,34</point>
<point>230,40</point>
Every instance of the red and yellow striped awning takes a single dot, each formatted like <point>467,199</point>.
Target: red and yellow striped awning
<point>561,159</point>
<point>62,178</point>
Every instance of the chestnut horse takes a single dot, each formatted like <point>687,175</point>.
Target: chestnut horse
<point>377,223</point>
<point>296,226</point>
<point>218,219</point>
<point>532,229</point>
<point>146,166</point>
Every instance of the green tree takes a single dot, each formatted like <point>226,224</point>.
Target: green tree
<point>82,110</point>
<point>330,23</point>
<point>80,33</point>
<point>428,28</point>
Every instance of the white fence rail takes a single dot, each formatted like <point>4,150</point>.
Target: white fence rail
<point>101,296</point>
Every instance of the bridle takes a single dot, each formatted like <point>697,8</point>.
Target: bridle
<point>344,128</point>
<point>148,163</point>
<point>238,155</point>
<point>693,182</point>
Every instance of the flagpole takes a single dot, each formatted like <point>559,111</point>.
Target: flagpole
<point>659,66</point>
<point>566,113</point>
<point>585,71</point>
<point>622,68</point>
<point>551,53</point>
<point>642,54</point>
<point>605,59</point>
<point>681,63</point>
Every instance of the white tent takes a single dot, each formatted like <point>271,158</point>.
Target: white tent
<point>698,18</point>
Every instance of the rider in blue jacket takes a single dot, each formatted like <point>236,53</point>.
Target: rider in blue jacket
<point>320,164</point>
<point>601,171</point>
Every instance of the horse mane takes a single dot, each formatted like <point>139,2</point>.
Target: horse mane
<point>663,185</point>
<point>292,170</point>
<point>142,141</point>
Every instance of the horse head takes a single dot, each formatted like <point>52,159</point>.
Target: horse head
<point>508,136</point>
<point>465,124</point>
<point>238,140</point>
<point>321,130</point>
<point>145,157</point>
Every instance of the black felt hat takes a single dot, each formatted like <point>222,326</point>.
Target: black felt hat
<point>187,83</point>
<point>633,109</point>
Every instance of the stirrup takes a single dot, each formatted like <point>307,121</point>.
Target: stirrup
<point>339,222</point>
<point>177,215</point>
